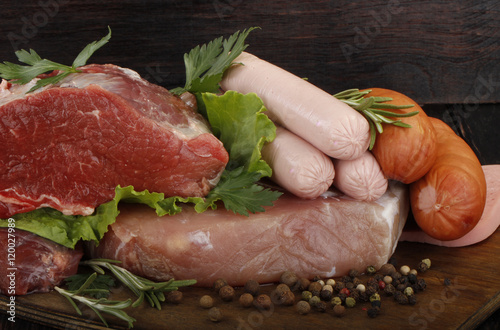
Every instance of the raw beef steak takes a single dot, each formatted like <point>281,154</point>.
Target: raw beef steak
<point>67,146</point>
<point>326,236</point>
<point>37,264</point>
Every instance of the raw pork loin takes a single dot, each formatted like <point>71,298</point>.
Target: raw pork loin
<point>326,236</point>
<point>67,146</point>
<point>38,264</point>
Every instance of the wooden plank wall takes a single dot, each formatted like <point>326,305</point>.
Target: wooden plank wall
<point>444,53</point>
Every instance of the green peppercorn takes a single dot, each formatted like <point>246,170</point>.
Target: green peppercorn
<point>314,300</point>
<point>408,291</point>
<point>350,302</point>
<point>339,310</point>
<point>306,295</point>
<point>336,301</point>
<point>246,300</point>
<point>174,297</point>
<point>374,296</point>
<point>427,262</point>
<point>370,270</point>
<point>252,287</point>
<point>206,301</point>
<point>226,293</point>
<point>303,307</point>
<point>214,314</point>
<point>289,278</point>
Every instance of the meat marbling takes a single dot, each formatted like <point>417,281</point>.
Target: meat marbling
<point>67,146</point>
<point>326,236</point>
<point>38,264</point>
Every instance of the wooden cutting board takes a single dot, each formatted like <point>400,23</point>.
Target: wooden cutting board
<point>471,295</point>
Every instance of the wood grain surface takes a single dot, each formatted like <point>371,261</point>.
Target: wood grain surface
<point>462,291</point>
<point>434,51</point>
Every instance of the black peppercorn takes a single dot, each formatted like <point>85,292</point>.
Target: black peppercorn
<point>400,298</point>
<point>379,277</point>
<point>421,284</point>
<point>376,303</point>
<point>353,273</point>
<point>373,312</point>
<point>346,279</point>
<point>326,295</point>
<point>321,306</point>
<point>371,281</point>
<point>355,294</point>
<point>389,289</point>
<point>396,276</point>
<point>356,281</point>
<point>412,278</point>
<point>412,300</point>
<point>339,286</point>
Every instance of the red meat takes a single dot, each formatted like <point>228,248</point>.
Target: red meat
<point>30,263</point>
<point>67,146</point>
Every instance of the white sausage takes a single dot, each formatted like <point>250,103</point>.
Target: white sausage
<point>298,166</point>
<point>304,109</point>
<point>360,178</point>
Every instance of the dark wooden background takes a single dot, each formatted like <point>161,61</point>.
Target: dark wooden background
<point>443,54</point>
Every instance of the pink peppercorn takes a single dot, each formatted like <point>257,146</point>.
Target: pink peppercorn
<point>381,285</point>
<point>346,292</point>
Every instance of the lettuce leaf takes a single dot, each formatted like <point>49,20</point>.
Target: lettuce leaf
<point>67,230</point>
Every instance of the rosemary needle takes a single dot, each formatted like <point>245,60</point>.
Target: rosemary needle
<point>374,110</point>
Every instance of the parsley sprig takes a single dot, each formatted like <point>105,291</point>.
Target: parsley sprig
<point>375,110</point>
<point>97,285</point>
<point>206,64</point>
<point>23,74</point>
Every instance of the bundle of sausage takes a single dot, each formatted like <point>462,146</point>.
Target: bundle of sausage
<point>322,141</point>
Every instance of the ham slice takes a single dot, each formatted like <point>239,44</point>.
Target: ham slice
<point>326,236</point>
<point>487,225</point>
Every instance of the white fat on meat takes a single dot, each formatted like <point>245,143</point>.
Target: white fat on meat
<point>326,236</point>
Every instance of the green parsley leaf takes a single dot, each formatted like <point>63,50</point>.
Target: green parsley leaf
<point>239,193</point>
<point>206,64</point>
<point>23,74</point>
<point>99,288</point>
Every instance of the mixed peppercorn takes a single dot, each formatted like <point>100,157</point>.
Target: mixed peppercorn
<point>321,295</point>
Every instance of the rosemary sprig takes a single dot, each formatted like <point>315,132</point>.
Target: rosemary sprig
<point>143,288</point>
<point>375,110</point>
<point>102,305</point>
<point>23,74</point>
